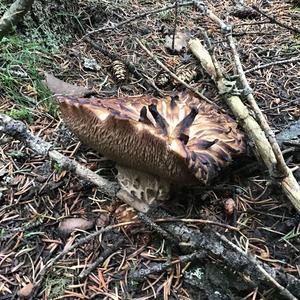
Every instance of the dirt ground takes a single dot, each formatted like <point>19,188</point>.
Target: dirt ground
<point>36,194</point>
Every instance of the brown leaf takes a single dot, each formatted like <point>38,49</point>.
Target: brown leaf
<point>26,291</point>
<point>57,86</point>
<point>69,225</point>
<point>179,43</point>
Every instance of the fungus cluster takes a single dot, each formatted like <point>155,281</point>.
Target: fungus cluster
<point>178,139</point>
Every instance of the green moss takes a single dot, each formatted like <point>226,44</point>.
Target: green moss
<point>21,114</point>
<point>56,284</point>
<point>21,61</point>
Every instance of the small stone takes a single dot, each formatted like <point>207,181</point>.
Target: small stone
<point>91,64</point>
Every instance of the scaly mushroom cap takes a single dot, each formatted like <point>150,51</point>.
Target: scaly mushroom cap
<point>179,138</point>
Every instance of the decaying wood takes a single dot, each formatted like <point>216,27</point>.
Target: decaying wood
<point>264,140</point>
<point>19,131</point>
<point>13,15</point>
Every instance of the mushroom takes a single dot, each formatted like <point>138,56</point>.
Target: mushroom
<point>179,139</point>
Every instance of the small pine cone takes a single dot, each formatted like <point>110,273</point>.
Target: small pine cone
<point>119,70</point>
<point>186,74</point>
<point>162,79</point>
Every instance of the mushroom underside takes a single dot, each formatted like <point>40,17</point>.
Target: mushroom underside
<point>141,190</point>
<point>178,139</point>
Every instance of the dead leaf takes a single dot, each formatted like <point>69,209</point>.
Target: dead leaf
<point>69,225</point>
<point>26,291</point>
<point>180,41</point>
<point>57,86</point>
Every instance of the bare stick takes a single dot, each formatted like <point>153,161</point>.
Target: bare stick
<point>13,15</point>
<point>279,62</point>
<point>160,267</point>
<point>19,131</point>
<point>139,16</point>
<point>274,20</point>
<point>107,252</point>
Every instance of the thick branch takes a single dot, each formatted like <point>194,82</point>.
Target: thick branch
<point>19,131</point>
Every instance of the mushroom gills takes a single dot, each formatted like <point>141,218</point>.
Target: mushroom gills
<point>141,190</point>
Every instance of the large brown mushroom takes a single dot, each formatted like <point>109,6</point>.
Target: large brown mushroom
<point>155,142</point>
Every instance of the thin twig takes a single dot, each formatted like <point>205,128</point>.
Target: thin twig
<point>198,221</point>
<point>174,75</point>
<point>274,20</point>
<point>107,252</point>
<point>139,16</point>
<point>131,67</point>
<point>153,226</point>
<point>274,63</point>
<point>175,24</point>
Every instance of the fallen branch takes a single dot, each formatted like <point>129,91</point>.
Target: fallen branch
<point>13,15</point>
<point>274,20</point>
<point>19,131</point>
<point>160,267</point>
<point>273,63</point>
<point>261,134</point>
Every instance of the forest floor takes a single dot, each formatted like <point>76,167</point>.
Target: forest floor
<point>36,195</point>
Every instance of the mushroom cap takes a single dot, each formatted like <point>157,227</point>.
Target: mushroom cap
<point>179,138</point>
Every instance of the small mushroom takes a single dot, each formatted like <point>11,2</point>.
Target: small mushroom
<point>179,139</point>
